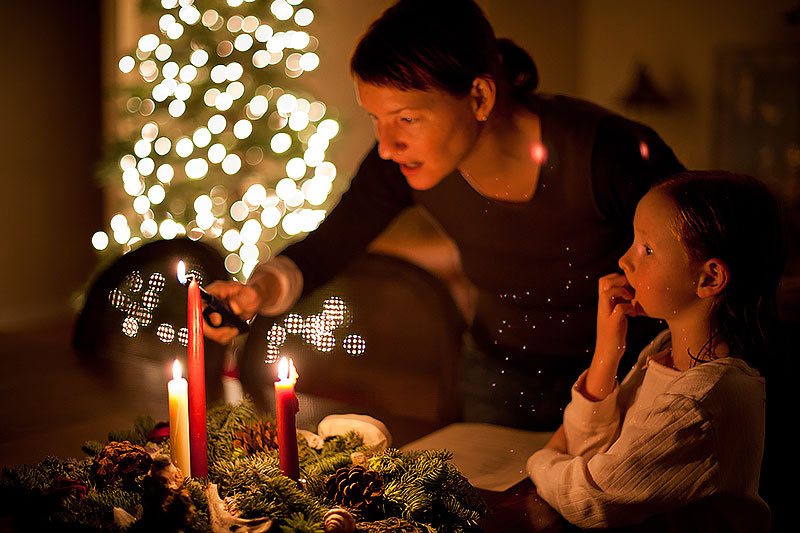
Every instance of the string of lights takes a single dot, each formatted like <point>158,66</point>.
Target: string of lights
<point>214,143</point>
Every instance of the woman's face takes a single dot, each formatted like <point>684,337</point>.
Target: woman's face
<point>427,133</point>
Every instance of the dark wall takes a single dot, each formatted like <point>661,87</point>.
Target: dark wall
<point>50,141</point>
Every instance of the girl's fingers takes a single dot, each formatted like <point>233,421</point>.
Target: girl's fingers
<point>626,308</point>
<point>613,297</point>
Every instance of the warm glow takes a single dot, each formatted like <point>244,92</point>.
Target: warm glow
<point>176,366</point>
<point>286,370</point>
<point>201,113</point>
<point>538,153</point>
<point>181,275</point>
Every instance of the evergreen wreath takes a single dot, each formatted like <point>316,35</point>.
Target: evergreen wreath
<point>399,491</point>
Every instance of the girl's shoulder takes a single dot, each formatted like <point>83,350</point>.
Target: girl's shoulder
<point>719,381</point>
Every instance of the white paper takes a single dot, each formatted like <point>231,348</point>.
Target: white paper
<point>491,457</point>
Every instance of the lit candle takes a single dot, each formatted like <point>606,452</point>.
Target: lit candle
<point>197,379</point>
<point>179,420</point>
<point>286,406</point>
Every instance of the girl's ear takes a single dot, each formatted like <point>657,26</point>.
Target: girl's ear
<point>714,277</point>
<point>484,97</point>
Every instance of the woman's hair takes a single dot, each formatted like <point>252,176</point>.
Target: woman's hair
<point>440,44</point>
<point>734,218</point>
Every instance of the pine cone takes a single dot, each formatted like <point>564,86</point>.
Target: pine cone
<point>356,487</point>
<point>261,435</point>
<point>120,460</point>
<point>166,502</point>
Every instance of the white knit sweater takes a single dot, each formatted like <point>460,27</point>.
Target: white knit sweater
<point>661,440</point>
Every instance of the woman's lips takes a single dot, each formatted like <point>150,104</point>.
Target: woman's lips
<point>409,168</point>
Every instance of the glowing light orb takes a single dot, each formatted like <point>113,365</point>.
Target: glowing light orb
<point>304,17</point>
<point>354,345</point>
<point>231,240</point>
<point>184,147</point>
<point>127,64</point>
<point>199,58</point>
<point>130,327</point>
<point>100,240</point>
<point>183,336</point>
<point>196,168</point>
<point>263,33</point>
<point>165,333</point>
<point>276,335</point>
<point>280,142</point>
<point>281,9</point>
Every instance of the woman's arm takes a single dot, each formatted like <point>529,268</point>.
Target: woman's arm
<point>377,194</point>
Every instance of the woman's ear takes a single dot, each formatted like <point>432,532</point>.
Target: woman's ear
<point>484,97</point>
<point>714,277</point>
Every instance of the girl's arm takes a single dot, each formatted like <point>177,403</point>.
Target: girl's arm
<point>613,308</point>
<point>662,460</point>
<point>591,420</point>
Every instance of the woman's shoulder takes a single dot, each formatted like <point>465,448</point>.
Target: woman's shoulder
<point>560,104</point>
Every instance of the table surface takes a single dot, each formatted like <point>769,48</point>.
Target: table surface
<point>521,510</point>
<point>67,404</point>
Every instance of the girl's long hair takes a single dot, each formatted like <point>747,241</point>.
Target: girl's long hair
<point>735,218</point>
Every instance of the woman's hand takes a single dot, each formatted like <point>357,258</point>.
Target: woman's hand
<point>614,306</point>
<point>244,300</point>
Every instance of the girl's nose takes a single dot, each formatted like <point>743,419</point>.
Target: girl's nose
<point>624,261</point>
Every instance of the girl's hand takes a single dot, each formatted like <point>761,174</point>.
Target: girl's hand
<point>243,300</point>
<point>614,306</point>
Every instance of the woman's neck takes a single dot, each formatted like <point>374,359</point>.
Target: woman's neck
<point>503,164</point>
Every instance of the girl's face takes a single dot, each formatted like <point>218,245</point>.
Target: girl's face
<point>427,133</point>
<point>657,265</point>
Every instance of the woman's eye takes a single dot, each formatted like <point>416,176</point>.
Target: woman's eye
<point>648,250</point>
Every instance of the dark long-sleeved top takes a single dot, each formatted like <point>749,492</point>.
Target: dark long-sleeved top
<point>535,265</point>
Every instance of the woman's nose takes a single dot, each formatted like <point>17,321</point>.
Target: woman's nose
<point>388,144</point>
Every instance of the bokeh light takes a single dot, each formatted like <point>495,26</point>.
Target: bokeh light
<point>211,106</point>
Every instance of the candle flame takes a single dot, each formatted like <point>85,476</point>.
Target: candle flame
<point>176,370</point>
<point>286,370</point>
<point>182,272</point>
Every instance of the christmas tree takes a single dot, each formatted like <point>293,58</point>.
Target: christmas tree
<point>217,140</point>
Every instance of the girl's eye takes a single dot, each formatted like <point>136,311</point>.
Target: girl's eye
<point>648,250</point>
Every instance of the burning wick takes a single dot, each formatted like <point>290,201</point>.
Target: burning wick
<point>215,305</point>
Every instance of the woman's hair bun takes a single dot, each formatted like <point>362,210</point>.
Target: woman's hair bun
<point>519,68</point>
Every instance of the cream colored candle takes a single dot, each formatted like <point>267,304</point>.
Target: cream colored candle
<point>178,390</point>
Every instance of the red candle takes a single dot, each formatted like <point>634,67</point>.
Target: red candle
<point>197,380</point>
<point>286,406</point>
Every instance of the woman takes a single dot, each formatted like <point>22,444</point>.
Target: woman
<point>536,191</point>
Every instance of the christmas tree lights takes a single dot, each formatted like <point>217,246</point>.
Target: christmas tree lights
<point>214,144</point>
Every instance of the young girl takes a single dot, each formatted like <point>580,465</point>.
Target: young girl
<point>687,423</point>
